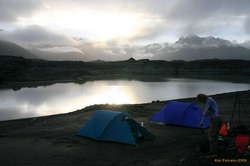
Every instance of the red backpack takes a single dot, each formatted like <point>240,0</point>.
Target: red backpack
<point>242,142</point>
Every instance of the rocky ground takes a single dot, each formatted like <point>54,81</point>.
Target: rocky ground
<point>52,140</point>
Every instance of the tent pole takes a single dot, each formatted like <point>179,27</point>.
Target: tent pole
<point>234,109</point>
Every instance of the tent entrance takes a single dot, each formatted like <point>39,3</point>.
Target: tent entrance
<point>139,132</point>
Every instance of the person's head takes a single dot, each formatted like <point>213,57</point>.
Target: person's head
<point>202,98</point>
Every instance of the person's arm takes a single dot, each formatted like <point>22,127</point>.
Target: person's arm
<point>204,113</point>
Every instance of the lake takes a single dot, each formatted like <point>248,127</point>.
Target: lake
<point>68,97</point>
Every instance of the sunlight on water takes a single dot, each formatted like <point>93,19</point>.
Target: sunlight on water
<point>67,97</point>
<point>112,95</point>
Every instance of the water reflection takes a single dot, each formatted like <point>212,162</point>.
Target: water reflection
<point>59,98</point>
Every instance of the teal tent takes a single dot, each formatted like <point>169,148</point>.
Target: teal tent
<point>114,126</point>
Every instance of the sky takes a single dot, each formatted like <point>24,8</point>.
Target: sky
<point>92,25</point>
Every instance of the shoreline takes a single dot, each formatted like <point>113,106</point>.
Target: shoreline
<point>34,84</point>
<point>51,140</point>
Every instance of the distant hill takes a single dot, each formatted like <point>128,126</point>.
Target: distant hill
<point>59,56</point>
<point>222,52</point>
<point>12,49</point>
<point>17,69</point>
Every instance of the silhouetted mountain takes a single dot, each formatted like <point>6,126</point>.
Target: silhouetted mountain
<point>196,48</point>
<point>186,48</point>
<point>222,52</point>
<point>17,69</point>
<point>131,60</point>
<point>59,56</point>
<point>12,49</point>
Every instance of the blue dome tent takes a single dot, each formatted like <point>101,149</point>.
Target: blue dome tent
<point>114,126</point>
<point>181,114</point>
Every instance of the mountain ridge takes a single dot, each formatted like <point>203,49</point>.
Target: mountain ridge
<point>12,49</point>
<point>187,48</point>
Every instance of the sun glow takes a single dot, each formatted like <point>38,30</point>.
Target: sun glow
<point>99,26</point>
<point>112,95</point>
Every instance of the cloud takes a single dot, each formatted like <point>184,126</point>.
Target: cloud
<point>102,51</point>
<point>178,17</point>
<point>207,17</point>
<point>37,37</point>
<point>12,9</point>
<point>195,41</point>
<point>112,51</point>
<point>245,44</point>
<point>44,43</point>
<point>181,17</point>
<point>188,16</point>
<point>15,112</point>
<point>151,31</point>
<point>161,20</point>
<point>247,25</point>
<point>61,49</point>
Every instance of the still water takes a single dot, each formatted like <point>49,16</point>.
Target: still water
<point>67,97</point>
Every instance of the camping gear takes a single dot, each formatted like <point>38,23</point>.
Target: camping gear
<point>224,130</point>
<point>241,103</point>
<point>242,142</point>
<point>114,126</point>
<point>222,144</point>
<point>182,114</point>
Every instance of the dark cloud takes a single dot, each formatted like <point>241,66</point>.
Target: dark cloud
<point>36,36</point>
<point>10,10</point>
<point>246,44</point>
<point>44,44</point>
<point>247,25</point>
<point>201,17</point>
